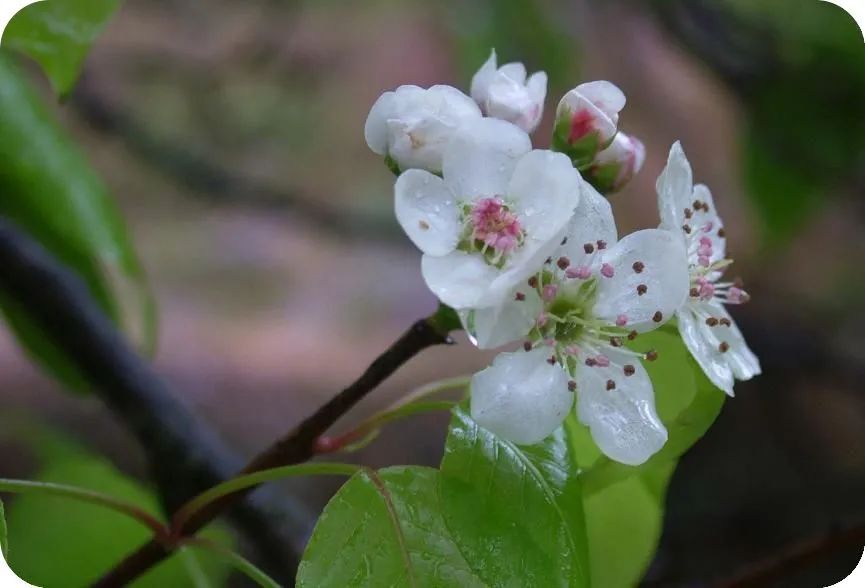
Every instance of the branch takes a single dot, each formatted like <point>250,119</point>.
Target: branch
<point>185,456</point>
<point>794,558</point>
<point>299,445</point>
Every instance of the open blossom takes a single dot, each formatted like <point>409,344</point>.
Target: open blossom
<point>587,119</point>
<point>709,332</point>
<point>498,211</point>
<point>505,93</point>
<point>411,126</point>
<point>616,165</point>
<point>576,312</point>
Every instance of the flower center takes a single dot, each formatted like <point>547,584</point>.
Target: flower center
<point>492,229</point>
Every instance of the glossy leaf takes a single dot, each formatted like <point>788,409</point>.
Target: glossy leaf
<point>58,34</point>
<point>687,403</point>
<point>83,540</point>
<point>514,512</point>
<point>384,529</point>
<point>48,189</point>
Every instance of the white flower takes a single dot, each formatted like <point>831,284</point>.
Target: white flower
<point>576,312</point>
<point>496,213</point>
<point>411,126</point>
<point>616,165</point>
<point>689,212</point>
<point>505,93</point>
<point>587,119</point>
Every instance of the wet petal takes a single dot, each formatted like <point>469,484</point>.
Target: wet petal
<point>545,189</point>
<point>504,323</point>
<point>703,344</point>
<point>460,280</point>
<point>427,212</point>
<point>483,78</point>
<point>375,130</point>
<point>622,419</point>
<point>675,188</point>
<point>521,397</point>
<point>592,222</point>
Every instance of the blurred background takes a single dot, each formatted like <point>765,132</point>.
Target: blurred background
<point>232,136</point>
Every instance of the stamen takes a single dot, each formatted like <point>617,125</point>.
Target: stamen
<point>642,289</point>
<point>629,370</point>
<point>527,346</point>
<point>651,355</point>
<point>726,322</point>
<point>638,267</point>
<point>611,385</point>
<point>689,213</point>
<point>563,263</point>
<point>724,347</point>
<point>632,335</point>
<point>658,316</point>
<point>572,386</point>
<point>621,320</point>
<point>607,270</point>
<point>519,297</point>
<point>591,362</point>
<point>424,226</point>
<point>564,241</point>
<point>533,282</point>
<point>704,261</point>
<point>616,341</point>
<point>687,229</point>
<point>708,226</point>
<point>588,248</point>
<point>722,233</point>
<point>550,291</point>
<point>542,320</point>
<point>712,321</point>
<point>601,244</point>
<point>697,205</point>
<point>551,360</point>
<point>583,272</point>
<point>694,293</point>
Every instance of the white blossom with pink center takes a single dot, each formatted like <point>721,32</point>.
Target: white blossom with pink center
<point>707,329</point>
<point>575,314</point>
<point>496,213</point>
<point>505,92</point>
<point>411,126</point>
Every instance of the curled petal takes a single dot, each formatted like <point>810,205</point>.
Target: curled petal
<point>521,397</point>
<point>427,212</point>
<point>620,410</point>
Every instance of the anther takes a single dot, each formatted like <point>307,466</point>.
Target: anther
<point>689,213</point>
<point>591,362</point>
<point>424,226</point>
<point>519,296</point>
<point>621,320</point>
<point>533,282</point>
<point>602,361</point>
<point>722,233</point>
<point>638,267</point>
<point>642,289</point>
<point>658,316</point>
<point>601,244</point>
<point>632,335</point>
<point>611,385</point>
<point>712,321</point>
<point>583,272</point>
<point>697,205</point>
<point>687,229</point>
<point>607,270</point>
<point>616,341</point>
<point>572,386</point>
<point>651,355</point>
<point>589,248</point>
<point>551,360</point>
<point>527,346</point>
<point>629,370</point>
<point>724,347</point>
<point>564,241</point>
<point>695,293</point>
<point>550,291</point>
<point>726,322</point>
<point>548,261</point>
<point>563,263</point>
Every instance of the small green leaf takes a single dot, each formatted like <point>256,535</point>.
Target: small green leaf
<point>514,512</point>
<point>48,189</point>
<point>4,540</point>
<point>384,529</point>
<point>58,34</point>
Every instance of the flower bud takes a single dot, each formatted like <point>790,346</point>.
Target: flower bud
<point>411,126</point>
<point>505,93</point>
<point>586,120</point>
<point>614,167</point>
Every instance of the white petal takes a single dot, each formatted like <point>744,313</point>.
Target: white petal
<point>504,323</point>
<point>702,220</point>
<point>675,189</point>
<point>592,222</point>
<point>605,95</point>
<point>515,71</point>
<point>375,130</point>
<point>521,397</point>
<point>545,189</point>
<point>427,212</point>
<point>460,280</point>
<point>527,260</point>
<point>703,345</point>
<point>537,87</point>
<point>483,78</point>
<point>664,273</point>
<point>573,102</point>
<point>739,356</point>
<point>481,156</point>
<point>623,421</point>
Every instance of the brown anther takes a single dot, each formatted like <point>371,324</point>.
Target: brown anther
<point>722,233</point>
<point>629,370</point>
<point>726,322</point>
<point>689,213</point>
<point>423,225</point>
<point>687,229</point>
<point>705,207</point>
<point>632,335</point>
<point>712,321</point>
<point>564,241</point>
<point>697,205</point>
<point>519,296</point>
<point>724,347</point>
<point>611,385</point>
<point>533,282</point>
<point>695,292</point>
<point>642,289</point>
<point>548,260</point>
<point>601,244</point>
<point>638,267</point>
<point>563,263</point>
<point>589,248</point>
<point>651,355</point>
<point>527,346</point>
<point>658,316</point>
<point>591,362</point>
<point>616,341</point>
<point>572,386</point>
<point>551,360</point>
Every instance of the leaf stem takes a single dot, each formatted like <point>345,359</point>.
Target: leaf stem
<point>235,559</point>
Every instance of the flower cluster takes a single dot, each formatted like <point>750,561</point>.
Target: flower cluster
<point>523,245</point>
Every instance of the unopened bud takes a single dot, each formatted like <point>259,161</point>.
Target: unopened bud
<point>586,121</point>
<point>616,165</point>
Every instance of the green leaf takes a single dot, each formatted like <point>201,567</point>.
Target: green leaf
<point>515,512</point>
<point>4,540</point>
<point>384,529</point>
<point>624,525</point>
<point>58,34</point>
<point>83,540</point>
<point>48,189</point>
<point>687,403</point>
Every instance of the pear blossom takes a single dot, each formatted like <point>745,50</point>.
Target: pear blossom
<point>411,126</point>
<point>707,329</point>
<point>576,312</point>
<point>505,93</point>
<point>616,165</point>
<point>496,213</point>
<point>587,120</point>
